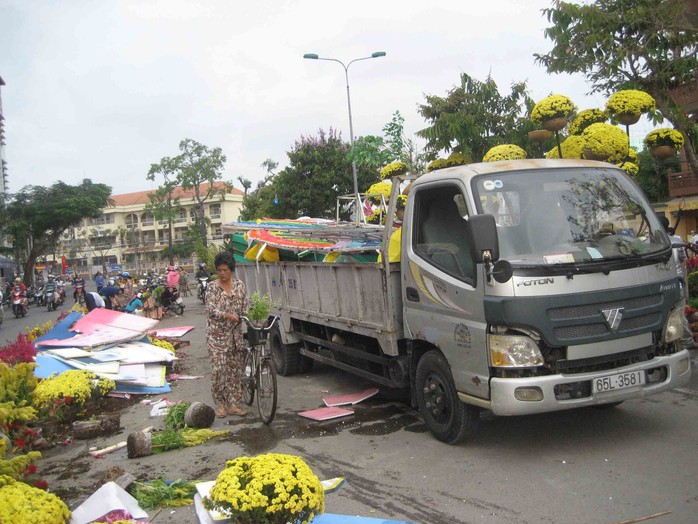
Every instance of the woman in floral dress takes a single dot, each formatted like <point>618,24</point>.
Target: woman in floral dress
<point>226,302</point>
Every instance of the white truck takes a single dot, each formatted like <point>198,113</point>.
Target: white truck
<point>524,286</point>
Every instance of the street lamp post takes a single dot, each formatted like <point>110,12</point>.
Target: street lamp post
<point>377,54</point>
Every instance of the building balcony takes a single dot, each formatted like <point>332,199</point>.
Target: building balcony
<point>683,183</point>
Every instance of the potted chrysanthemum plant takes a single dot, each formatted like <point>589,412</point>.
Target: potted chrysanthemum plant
<point>664,142</point>
<point>267,489</point>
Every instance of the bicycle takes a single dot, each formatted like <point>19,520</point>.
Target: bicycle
<point>259,374</point>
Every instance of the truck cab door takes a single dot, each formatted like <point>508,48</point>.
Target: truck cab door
<point>442,294</point>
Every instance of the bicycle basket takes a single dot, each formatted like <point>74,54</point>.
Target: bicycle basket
<point>255,335</point>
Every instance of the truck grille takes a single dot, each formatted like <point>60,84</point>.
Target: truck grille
<point>584,321</point>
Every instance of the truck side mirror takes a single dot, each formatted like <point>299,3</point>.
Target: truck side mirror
<point>483,238</point>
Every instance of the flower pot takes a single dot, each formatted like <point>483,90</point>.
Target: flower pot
<point>590,155</point>
<point>627,119</point>
<point>539,135</point>
<point>662,152</point>
<point>555,124</point>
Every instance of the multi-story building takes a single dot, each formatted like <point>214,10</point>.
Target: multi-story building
<point>3,162</point>
<point>127,237</point>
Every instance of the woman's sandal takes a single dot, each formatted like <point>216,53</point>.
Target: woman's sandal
<point>236,410</point>
<point>221,412</point>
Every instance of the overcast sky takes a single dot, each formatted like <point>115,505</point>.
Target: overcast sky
<point>102,89</point>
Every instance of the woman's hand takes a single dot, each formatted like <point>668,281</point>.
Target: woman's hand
<point>232,317</point>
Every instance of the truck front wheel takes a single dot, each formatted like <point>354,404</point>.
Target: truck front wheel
<point>449,419</point>
<point>285,357</point>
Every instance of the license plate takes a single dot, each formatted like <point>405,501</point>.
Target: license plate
<point>630,379</point>
<point>179,300</point>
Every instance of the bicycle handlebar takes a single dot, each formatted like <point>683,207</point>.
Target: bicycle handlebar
<point>251,325</point>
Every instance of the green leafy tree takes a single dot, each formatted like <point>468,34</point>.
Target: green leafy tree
<point>648,45</point>
<point>653,175</point>
<point>37,216</point>
<point>162,203</point>
<point>374,152</point>
<point>474,117</point>
<point>319,171</point>
<point>198,168</point>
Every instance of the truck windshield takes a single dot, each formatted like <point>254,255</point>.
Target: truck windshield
<point>569,216</point>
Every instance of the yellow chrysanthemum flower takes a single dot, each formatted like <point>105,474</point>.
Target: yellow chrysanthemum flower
<point>554,106</point>
<point>504,152</point>
<point>664,136</point>
<point>585,118</point>
<point>630,102</point>
<point>267,489</point>
<point>393,169</point>
<point>607,142</point>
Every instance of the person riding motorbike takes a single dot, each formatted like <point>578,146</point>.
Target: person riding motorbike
<point>21,289</point>
<point>79,289</point>
<point>51,289</point>
<point>202,276</point>
<point>202,272</point>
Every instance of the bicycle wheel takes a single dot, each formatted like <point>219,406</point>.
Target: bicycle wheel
<point>247,384</point>
<point>266,394</point>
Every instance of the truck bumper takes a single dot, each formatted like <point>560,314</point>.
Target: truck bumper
<point>662,374</point>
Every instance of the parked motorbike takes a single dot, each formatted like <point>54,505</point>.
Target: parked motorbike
<point>201,289</point>
<point>19,307</point>
<point>171,301</point>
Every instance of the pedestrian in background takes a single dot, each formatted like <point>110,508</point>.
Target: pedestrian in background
<point>99,281</point>
<point>226,302</point>
<point>183,282</point>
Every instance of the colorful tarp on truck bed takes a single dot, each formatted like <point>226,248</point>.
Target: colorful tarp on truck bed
<point>304,239</point>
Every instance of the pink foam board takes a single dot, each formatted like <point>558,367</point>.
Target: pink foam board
<point>326,413</point>
<point>351,398</point>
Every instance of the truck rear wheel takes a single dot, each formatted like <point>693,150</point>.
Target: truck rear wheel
<point>285,357</point>
<point>449,419</point>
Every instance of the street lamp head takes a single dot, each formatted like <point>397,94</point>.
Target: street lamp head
<point>378,54</point>
<point>312,56</point>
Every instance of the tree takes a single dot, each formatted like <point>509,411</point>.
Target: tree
<point>37,216</point>
<point>100,242</point>
<point>246,185</point>
<point>319,171</point>
<point>629,44</point>
<point>475,117</point>
<point>374,152</point>
<point>199,168</point>
<point>653,175</point>
<point>161,202</point>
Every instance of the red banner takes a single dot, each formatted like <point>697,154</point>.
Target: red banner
<point>64,264</point>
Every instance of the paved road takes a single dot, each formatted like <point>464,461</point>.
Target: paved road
<point>587,465</point>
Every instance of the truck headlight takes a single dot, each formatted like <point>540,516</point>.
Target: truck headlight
<point>673,330</point>
<point>514,351</point>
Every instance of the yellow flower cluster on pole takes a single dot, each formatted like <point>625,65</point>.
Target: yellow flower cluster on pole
<point>554,106</point>
<point>664,136</point>
<point>268,489</point>
<point>585,118</point>
<point>606,142</point>
<point>572,147</point>
<point>504,152</point>
<point>393,169</point>
<point>629,102</point>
